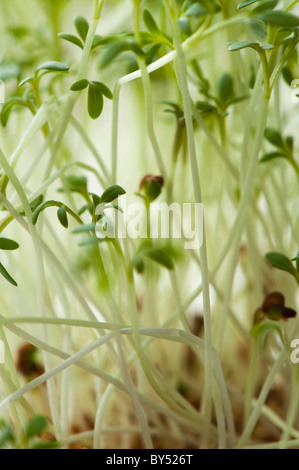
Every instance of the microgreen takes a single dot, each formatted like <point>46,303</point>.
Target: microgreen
<point>199,131</point>
<point>96,91</point>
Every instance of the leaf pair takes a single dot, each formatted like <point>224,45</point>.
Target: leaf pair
<point>264,11</point>
<point>82,27</point>
<point>150,23</point>
<point>198,10</point>
<point>118,46</point>
<point>99,203</point>
<point>224,100</point>
<point>7,244</point>
<point>27,100</point>
<point>284,146</point>
<point>47,67</point>
<point>96,93</point>
<point>32,429</point>
<point>159,254</point>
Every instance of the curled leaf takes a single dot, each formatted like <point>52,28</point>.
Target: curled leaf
<point>62,216</point>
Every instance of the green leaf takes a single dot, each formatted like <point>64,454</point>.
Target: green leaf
<point>111,52</point>
<point>265,5</point>
<point>93,241</point>
<point>176,108</point>
<point>76,184</point>
<point>8,244</point>
<point>280,18</point>
<point>274,137</point>
<point>104,89</point>
<point>95,101</point>
<point>271,156</point>
<point>98,41</point>
<point>138,263</point>
<point>290,142</point>
<point>79,85</point>
<point>25,80</point>
<point>8,71</point>
<point>36,202</point>
<point>258,27</point>
<point>117,47</point>
<point>161,256</point>
<point>37,211</point>
<point>85,228</point>
<point>152,53</point>
<point>6,433</point>
<point>246,4</point>
<point>196,10</point>
<point>95,199</point>
<point>33,205</point>
<point>35,426</point>
<point>237,99</point>
<point>7,276</point>
<point>282,262</point>
<point>150,23</point>
<point>111,193</point>
<point>8,108</point>
<point>46,445</point>
<point>267,47</point>
<point>237,46</point>
<point>71,38</point>
<point>225,87</point>
<point>86,207</point>
<point>62,216</point>
<point>42,207</point>
<point>184,24</point>
<point>205,106</point>
<point>82,27</point>
<point>53,66</point>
